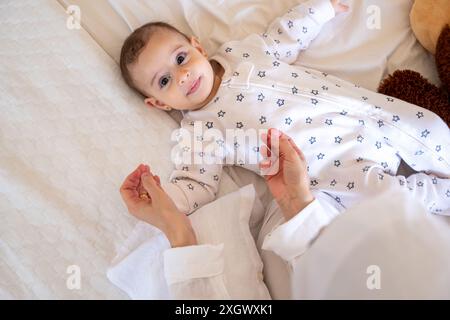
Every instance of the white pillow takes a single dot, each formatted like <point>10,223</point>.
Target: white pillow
<point>377,50</point>
<point>138,267</point>
<point>349,46</point>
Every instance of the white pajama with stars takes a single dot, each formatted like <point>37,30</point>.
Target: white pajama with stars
<point>353,139</point>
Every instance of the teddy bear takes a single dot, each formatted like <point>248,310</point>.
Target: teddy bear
<point>430,22</point>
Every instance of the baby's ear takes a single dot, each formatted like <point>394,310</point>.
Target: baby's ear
<point>153,103</point>
<point>197,45</point>
<point>149,102</point>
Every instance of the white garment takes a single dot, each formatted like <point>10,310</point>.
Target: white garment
<point>390,234</point>
<point>353,139</point>
<point>387,247</point>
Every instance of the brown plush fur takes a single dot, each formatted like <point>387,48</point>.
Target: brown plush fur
<point>410,86</point>
<point>443,58</point>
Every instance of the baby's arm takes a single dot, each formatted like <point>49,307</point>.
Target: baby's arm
<point>294,31</point>
<point>196,183</point>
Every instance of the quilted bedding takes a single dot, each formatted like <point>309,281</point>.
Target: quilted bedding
<point>70,131</point>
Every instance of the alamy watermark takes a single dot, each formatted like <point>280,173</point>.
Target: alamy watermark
<point>73,21</point>
<point>373,281</point>
<point>200,146</point>
<point>374,19</point>
<point>73,281</point>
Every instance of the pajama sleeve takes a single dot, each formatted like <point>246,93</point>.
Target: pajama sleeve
<point>293,32</point>
<point>198,167</point>
<point>292,238</point>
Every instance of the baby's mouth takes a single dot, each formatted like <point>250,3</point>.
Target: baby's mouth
<point>195,86</point>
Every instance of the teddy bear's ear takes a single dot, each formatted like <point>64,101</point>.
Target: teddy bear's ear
<point>443,58</point>
<point>428,18</point>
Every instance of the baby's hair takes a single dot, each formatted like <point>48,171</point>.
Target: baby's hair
<point>134,44</point>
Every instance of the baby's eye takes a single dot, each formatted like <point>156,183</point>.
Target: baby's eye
<point>181,57</point>
<point>164,81</point>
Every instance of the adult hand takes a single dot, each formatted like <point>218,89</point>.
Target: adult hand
<point>147,201</point>
<point>285,171</point>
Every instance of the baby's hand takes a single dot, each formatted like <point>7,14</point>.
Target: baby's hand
<point>338,6</point>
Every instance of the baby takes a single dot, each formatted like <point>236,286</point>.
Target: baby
<point>353,139</point>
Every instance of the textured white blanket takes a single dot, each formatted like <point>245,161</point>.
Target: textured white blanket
<point>70,132</point>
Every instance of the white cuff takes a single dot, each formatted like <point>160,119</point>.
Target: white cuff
<point>192,262</point>
<point>293,237</point>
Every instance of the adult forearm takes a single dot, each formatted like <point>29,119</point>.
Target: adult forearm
<point>294,202</point>
<point>180,233</point>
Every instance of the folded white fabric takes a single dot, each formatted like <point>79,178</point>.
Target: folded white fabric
<point>139,268</point>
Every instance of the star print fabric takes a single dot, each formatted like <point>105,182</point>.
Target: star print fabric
<point>353,139</point>
<point>199,161</point>
<point>293,32</point>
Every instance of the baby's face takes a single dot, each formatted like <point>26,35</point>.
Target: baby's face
<point>173,72</point>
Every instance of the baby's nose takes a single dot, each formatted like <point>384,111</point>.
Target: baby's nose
<point>183,76</point>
